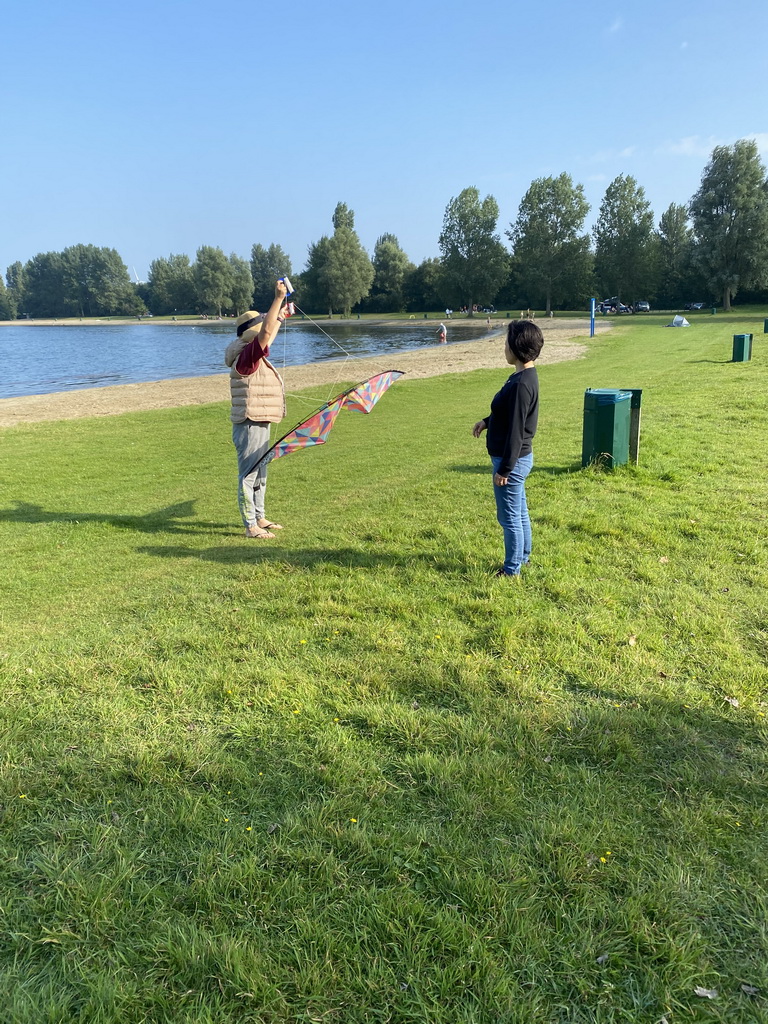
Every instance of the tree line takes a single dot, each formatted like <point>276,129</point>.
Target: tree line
<point>715,246</point>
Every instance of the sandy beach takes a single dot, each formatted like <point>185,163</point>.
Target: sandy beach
<point>562,341</point>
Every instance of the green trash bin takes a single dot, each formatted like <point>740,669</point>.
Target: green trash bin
<point>765,326</point>
<point>606,427</point>
<point>742,348</point>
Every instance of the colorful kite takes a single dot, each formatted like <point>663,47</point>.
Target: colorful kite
<point>316,429</point>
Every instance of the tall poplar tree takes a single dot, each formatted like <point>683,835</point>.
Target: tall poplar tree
<point>552,259</point>
<point>347,274</point>
<point>212,274</point>
<point>171,286</point>
<point>730,220</point>
<point>390,265</point>
<point>267,264</point>
<point>625,246</point>
<point>675,247</point>
<point>241,284</point>
<point>473,261</point>
<point>14,279</point>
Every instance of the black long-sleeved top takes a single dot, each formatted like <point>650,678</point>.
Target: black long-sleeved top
<point>513,420</point>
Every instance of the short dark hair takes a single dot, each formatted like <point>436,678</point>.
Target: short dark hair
<point>525,340</point>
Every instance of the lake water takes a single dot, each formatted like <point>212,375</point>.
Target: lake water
<point>38,360</point>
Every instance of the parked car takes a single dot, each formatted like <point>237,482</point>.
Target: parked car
<point>642,307</point>
<point>612,306</point>
<point>694,305</point>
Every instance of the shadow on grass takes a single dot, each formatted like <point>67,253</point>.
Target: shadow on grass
<point>309,558</point>
<point>484,469</point>
<point>164,520</point>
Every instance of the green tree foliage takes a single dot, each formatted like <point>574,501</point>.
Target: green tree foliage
<point>473,261</point>
<point>309,283</point>
<point>730,220</point>
<point>677,278</point>
<point>212,274</point>
<point>241,287</point>
<point>267,264</point>
<point>625,245</point>
<point>96,282</point>
<point>171,285</point>
<point>83,280</point>
<point>552,259</point>
<point>421,287</point>
<point>343,217</point>
<point>14,278</point>
<point>346,275</point>
<point>7,304</point>
<point>390,267</point>
<point>44,285</point>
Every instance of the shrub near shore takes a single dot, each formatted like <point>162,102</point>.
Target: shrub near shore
<point>350,776</point>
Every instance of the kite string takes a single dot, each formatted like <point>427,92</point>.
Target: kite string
<point>347,354</point>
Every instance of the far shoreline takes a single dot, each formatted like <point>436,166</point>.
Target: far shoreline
<point>564,340</point>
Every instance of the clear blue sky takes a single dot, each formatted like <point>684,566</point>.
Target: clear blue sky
<point>161,125</point>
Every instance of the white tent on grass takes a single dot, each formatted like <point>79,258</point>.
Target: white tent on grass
<point>679,321</point>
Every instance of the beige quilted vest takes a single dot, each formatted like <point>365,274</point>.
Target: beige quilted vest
<point>260,396</point>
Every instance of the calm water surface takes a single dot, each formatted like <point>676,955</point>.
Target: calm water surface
<point>38,360</point>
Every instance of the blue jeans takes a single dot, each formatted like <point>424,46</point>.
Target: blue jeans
<point>512,513</point>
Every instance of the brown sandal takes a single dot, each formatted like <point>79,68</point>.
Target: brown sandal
<point>257,533</point>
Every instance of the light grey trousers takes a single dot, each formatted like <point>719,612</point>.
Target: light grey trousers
<point>251,440</point>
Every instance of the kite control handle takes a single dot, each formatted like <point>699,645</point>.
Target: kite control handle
<point>288,286</point>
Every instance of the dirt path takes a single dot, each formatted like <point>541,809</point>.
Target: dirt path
<point>561,342</point>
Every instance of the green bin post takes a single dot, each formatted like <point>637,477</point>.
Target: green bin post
<point>765,326</point>
<point>606,427</point>
<point>714,310</point>
<point>634,423</point>
<point>742,348</point>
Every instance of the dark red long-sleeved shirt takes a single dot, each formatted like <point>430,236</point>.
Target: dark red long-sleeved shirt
<point>250,357</point>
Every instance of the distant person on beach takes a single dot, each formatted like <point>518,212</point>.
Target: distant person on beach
<point>511,426</point>
<point>442,334</point>
<point>258,399</point>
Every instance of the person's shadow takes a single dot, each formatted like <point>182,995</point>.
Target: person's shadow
<point>356,559</point>
<point>171,519</point>
<point>484,469</point>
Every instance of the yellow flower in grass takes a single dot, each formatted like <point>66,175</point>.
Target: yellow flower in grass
<point>353,819</point>
<point>22,796</point>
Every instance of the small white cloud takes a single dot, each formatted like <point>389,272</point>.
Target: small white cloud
<point>690,145</point>
<point>683,46</point>
<point>605,156</point>
<point>616,26</point>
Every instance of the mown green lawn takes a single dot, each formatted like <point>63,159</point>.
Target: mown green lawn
<point>348,775</point>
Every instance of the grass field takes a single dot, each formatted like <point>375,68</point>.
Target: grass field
<point>347,775</point>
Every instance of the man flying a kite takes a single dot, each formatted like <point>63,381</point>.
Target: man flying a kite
<point>258,399</point>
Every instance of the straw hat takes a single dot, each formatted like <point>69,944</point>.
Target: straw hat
<point>254,320</point>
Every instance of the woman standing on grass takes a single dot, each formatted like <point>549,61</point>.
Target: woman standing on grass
<point>511,427</point>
